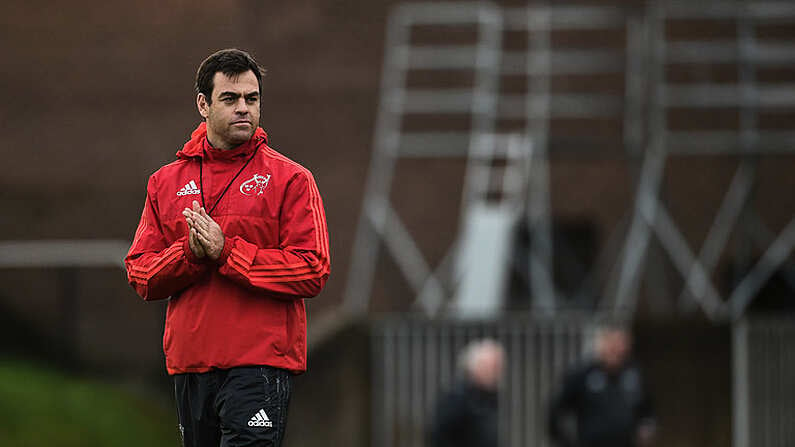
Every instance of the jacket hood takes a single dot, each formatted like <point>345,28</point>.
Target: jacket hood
<point>198,141</point>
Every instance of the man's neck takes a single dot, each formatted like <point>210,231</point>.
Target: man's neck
<point>223,147</point>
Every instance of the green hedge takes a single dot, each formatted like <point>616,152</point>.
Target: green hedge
<point>39,407</point>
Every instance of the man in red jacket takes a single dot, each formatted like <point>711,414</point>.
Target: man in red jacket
<point>234,235</point>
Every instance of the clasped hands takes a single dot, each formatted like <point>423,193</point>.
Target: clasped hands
<point>205,236</point>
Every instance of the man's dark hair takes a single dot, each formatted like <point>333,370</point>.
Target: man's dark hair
<point>230,62</point>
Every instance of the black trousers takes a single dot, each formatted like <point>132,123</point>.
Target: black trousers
<point>243,406</point>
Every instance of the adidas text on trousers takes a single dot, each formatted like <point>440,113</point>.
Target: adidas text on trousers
<point>242,406</point>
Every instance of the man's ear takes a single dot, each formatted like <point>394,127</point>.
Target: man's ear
<point>203,105</point>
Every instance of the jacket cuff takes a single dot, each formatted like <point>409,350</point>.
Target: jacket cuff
<point>189,255</point>
<point>228,244</point>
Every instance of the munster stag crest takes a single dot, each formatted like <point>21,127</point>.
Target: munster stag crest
<point>256,185</point>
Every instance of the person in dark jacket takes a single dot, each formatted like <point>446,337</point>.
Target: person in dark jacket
<point>606,398</point>
<point>466,415</point>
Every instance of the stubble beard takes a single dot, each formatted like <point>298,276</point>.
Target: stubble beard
<point>237,137</point>
<point>228,135</point>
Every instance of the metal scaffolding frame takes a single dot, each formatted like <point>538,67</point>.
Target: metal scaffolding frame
<point>537,64</point>
<point>379,223</point>
<point>647,93</point>
<point>493,200</point>
<point>650,217</point>
<point>542,105</point>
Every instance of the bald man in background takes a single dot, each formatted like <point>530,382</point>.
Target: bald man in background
<point>466,415</point>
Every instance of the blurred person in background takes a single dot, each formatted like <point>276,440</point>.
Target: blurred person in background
<point>234,234</point>
<point>605,398</point>
<point>466,415</point>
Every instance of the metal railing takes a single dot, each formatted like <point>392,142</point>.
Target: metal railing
<point>764,382</point>
<point>414,360</point>
<point>65,257</point>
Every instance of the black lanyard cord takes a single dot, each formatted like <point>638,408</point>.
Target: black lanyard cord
<point>201,185</point>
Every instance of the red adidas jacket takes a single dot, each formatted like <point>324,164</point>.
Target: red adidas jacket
<point>247,308</point>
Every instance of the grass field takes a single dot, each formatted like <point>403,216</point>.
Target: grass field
<point>39,407</point>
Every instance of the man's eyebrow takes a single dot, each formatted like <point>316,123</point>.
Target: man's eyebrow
<point>249,95</point>
<point>231,94</point>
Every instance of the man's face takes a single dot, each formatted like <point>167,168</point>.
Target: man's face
<point>487,369</point>
<point>613,347</point>
<point>233,115</point>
